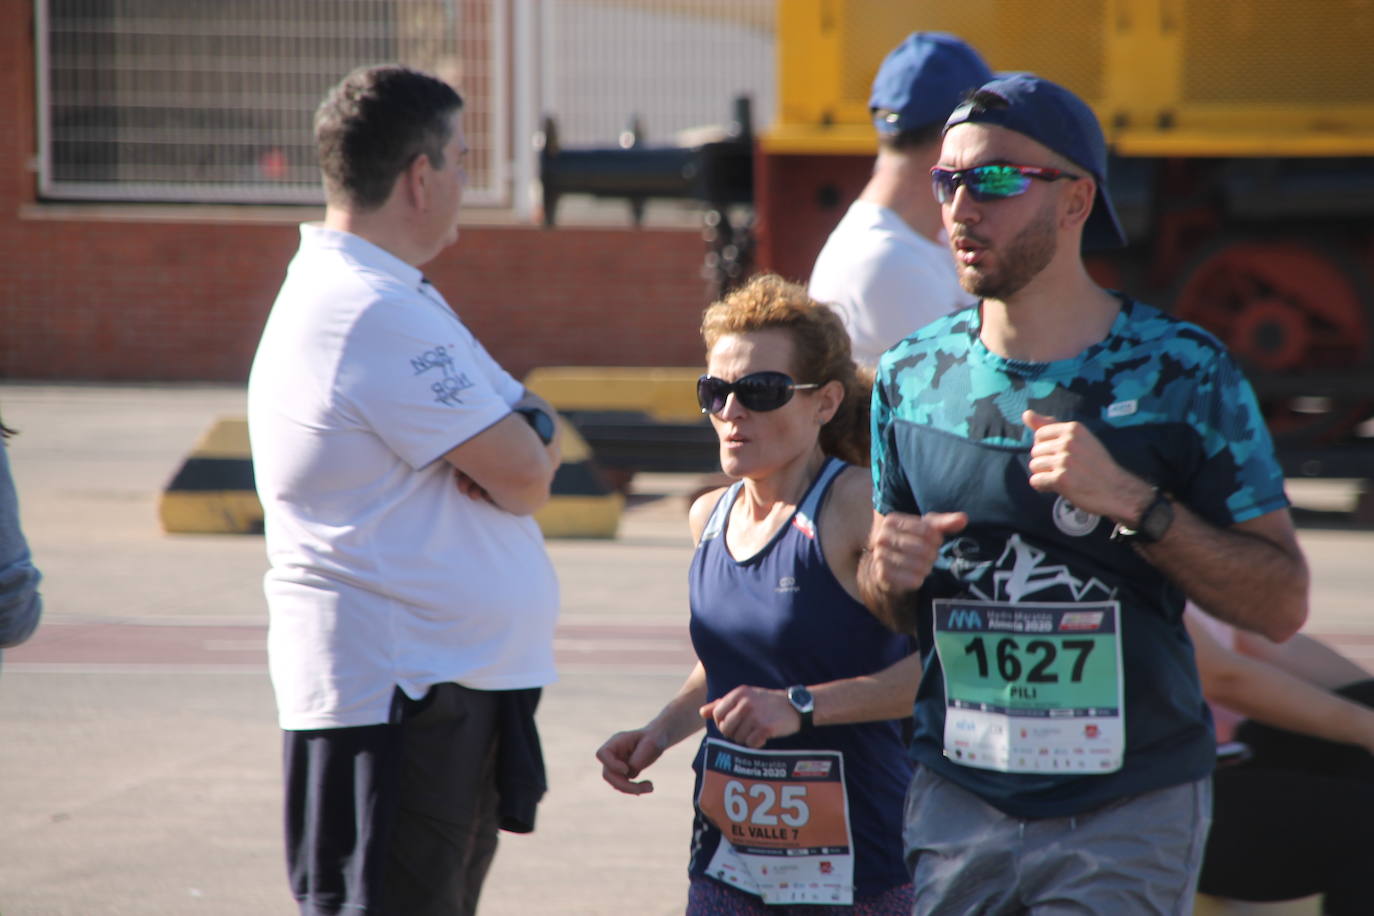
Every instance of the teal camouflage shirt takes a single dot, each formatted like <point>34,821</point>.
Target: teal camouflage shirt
<point>1171,406</point>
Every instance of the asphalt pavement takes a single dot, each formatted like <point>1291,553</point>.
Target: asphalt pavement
<point>139,753</point>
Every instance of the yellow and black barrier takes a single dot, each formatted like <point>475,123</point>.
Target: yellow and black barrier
<point>583,505</point>
<point>665,394</point>
<point>633,418</point>
<point>213,491</point>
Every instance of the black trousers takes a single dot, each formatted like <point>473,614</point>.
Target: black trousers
<point>1296,819</point>
<point>397,819</point>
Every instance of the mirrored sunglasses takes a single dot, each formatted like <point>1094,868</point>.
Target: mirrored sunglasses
<point>756,391</point>
<point>991,182</point>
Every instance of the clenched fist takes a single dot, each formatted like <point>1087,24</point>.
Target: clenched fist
<point>904,547</point>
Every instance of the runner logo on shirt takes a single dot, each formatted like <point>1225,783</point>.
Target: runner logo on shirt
<point>1021,574</point>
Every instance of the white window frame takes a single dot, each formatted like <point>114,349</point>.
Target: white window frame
<point>494,191</point>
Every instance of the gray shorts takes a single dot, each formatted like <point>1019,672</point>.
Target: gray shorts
<point>1139,855</point>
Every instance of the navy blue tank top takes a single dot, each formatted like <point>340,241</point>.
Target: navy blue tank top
<point>780,618</point>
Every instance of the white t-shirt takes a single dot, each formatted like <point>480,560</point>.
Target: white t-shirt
<point>382,572</point>
<point>884,278</point>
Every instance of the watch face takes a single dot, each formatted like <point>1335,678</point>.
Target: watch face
<point>801,698</point>
<point>543,425</point>
<point>540,422</point>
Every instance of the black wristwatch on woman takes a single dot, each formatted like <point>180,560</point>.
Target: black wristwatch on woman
<point>803,703</point>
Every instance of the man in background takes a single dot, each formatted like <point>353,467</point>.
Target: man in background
<point>886,267</point>
<point>410,595</point>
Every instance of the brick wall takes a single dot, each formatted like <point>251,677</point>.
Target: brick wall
<point>112,299</point>
<point>799,199</point>
<point>142,293</point>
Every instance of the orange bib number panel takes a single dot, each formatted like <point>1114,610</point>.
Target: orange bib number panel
<point>784,818</point>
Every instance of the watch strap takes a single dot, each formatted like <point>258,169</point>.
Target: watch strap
<point>539,421</point>
<point>1154,521</point>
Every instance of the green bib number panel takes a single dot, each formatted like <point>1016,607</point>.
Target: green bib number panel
<point>1031,687</point>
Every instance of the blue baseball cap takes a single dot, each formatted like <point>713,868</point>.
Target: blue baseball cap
<point>1056,118</point>
<point>921,81</point>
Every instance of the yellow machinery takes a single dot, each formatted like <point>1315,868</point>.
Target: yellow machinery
<point>1243,142</point>
<point>1166,77</point>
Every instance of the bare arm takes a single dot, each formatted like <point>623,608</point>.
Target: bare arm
<point>1304,657</point>
<point>847,518</point>
<point>751,716</point>
<point>627,754</point>
<point>886,694</point>
<point>1252,574</point>
<point>900,553</point>
<point>509,463</point>
<point>1270,695</point>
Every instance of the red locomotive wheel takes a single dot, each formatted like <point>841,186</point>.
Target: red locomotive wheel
<point>1278,306</point>
<point>1283,307</point>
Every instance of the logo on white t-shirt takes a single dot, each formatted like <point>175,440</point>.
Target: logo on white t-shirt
<point>446,390</point>
<point>434,358</point>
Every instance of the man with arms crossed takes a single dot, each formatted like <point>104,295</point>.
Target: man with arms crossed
<point>398,467</point>
<point>1055,469</point>
<point>886,266</point>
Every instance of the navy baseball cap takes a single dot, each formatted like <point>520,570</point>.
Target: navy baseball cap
<point>1056,118</point>
<point>921,81</point>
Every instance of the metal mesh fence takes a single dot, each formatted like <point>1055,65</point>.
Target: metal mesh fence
<point>1260,52</point>
<point>208,101</point>
<point>675,64</point>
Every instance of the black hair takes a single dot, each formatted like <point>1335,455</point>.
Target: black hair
<point>912,138</point>
<point>372,125</point>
